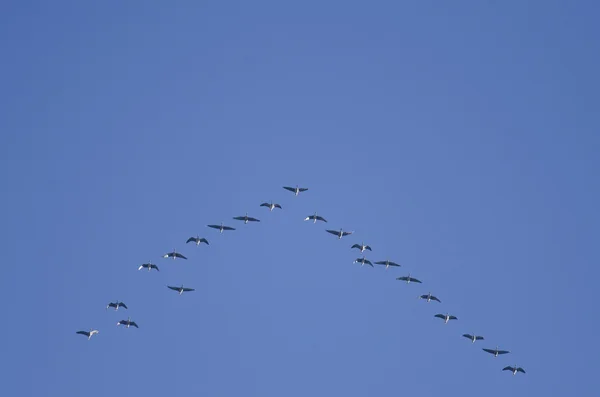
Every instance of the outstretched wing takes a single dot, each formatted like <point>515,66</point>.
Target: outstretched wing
<point>452,318</point>
<point>346,233</point>
<point>239,218</point>
<point>311,217</point>
<point>188,289</point>
<point>503,352</point>
<point>320,218</point>
<point>228,228</point>
<point>83,333</point>
<point>369,263</point>
<point>180,256</point>
<point>520,370</point>
<point>433,298</point>
<point>133,324</point>
<point>415,280</point>
<point>191,239</point>
<point>173,288</point>
<point>253,219</point>
<point>291,189</point>
<point>368,248</point>
<point>440,316</point>
<point>203,240</point>
<point>479,338</point>
<point>400,278</point>
<point>278,206</point>
<point>334,232</point>
<point>141,267</point>
<point>355,246</point>
<point>423,296</point>
<point>508,368</point>
<point>265,205</point>
<point>123,305</point>
<point>303,189</point>
<point>468,336</point>
<point>489,350</point>
<point>214,226</point>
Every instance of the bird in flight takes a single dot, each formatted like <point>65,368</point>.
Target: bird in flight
<point>89,333</point>
<point>128,323</point>
<point>148,266</point>
<point>495,351</point>
<point>408,279</point>
<point>116,305</point>
<point>362,247</point>
<point>181,290</point>
<point>340,234</point>
<point>174,255</point>
<point>446,317</point>
<point>387,264</point>
<point>430,298</point>
<point>221,227</point>
<point>514,369</point>
<point>315,218</point>
<point>246,218</point>
<point>363,261</point>
<point>197,240</point>
<point>271,206</point>
<point>473,337</point>
<point>296,190</point>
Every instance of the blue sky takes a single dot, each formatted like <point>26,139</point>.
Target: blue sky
<point>459,140</point>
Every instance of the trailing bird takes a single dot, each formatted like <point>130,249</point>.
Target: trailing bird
<point>445,317</point>
<point>363,261</point>
<point>246,218</point>
<point>127,323</point>
<point>387,264</point>
<point>315,218</point>
<point>495,351</point>
<point>181,290</point>
<point>514,369</point>
<point>340,234</point>
<point>89,333</point>
<point>221,227</point>
<point>271,206</point>
<point>429,298</point>
<point>197,240</point>
<point>362,247</point>
<point>148,266</point>
<point>116,305</point>
<point>473,337</point>
<point>296,190</point>
<point>174,255</point>
<point>408,279</point>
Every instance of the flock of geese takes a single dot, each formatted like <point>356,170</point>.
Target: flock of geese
<point>197,240</point>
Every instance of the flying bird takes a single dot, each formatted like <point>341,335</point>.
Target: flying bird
<point>181,290</point>
<point>363,261</point>
<point>408,279</point>
<point>445,317</point>
<point>197,240</point>
<point>514,369</point>
<point>128,323</point>
<point>89,333</point>
<point>116,305</point>
<point>495,351</point>
<point>221,227</point>
<point>174,255</point>
<point>296,190</point>
<point>148,266</point>
<point>246,218</point>
<point>315,218</point>
<point>387,264</point>
<point>473,337</point>
<point>340,234</point>
<point>271,206</point>
<point>362,247</point>
<point>430,298</point>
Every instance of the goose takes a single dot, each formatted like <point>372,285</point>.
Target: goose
<point>473,337</point>
<point>127,323</point>
<point>181,290</point>
<point>246,218</point>
<point>446,317</point>
<point>174,255</point>
<point>408,279</point>
<point>495,351</point>
<point>271,206</point>
<point>296,190</point>
<point>387,264</point>
<point>362,247</point>
<point>197,240</point>
<point>148,266</point>
<point>116,305</point>
<point>429,298</point>
<point>340,234</point>
<point>315,218</point>
<point>89,333</point>
<point>363,261</point>
<point>221,227</point>
<point>514,369</point>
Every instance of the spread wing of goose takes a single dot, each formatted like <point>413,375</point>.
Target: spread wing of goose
<point>221,227</point>
<point>296,190</point>
<point>387,264</point>
<point>314,217</point>
<point>246,218</point>
<point>473,337</point>
<point>148,266</point>
<point>174,255</point>
<point>197,240</point>
<point>89,333</point>
<point>271,206</point>
<point>339,233</point>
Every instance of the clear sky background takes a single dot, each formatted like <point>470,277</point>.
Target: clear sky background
<point>459,139</point>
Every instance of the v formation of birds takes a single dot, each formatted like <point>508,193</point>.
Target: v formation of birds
<point>339,234</point>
